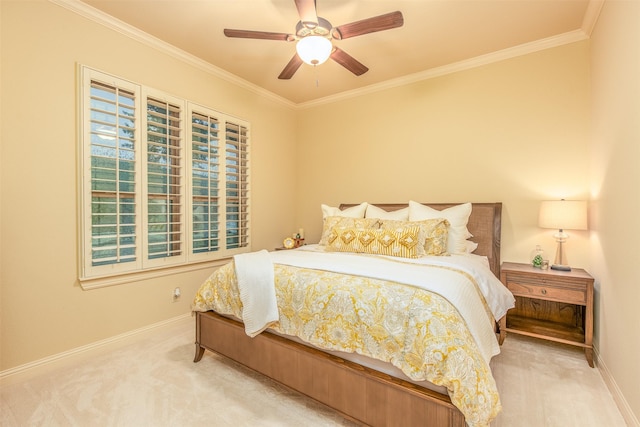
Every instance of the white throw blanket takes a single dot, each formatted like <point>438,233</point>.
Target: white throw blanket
<point>254,271</point>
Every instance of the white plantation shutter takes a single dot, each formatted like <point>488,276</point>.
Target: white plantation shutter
<point>237,185</point>
<point>111,179</point>
<point>164,182</point>
<point>219,184</point>
<point>205,183</point>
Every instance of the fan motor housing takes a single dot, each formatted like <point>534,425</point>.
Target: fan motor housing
<point>322,29</point>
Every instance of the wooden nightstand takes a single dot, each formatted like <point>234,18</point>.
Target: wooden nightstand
<point>550,304</point>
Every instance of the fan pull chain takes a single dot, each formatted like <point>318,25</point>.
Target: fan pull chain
<point>315,69</point>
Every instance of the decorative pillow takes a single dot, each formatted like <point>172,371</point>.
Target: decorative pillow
<point>404,242</point>
<point>352,212</point>
<point>376,212</point>
<point>458,216</point>
<point>332,222</point>
<point>435,231</point>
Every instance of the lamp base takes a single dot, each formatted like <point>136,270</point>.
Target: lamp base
<point>561,263</point>
<point>560,267</point>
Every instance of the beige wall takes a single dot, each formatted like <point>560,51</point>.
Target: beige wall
<point>514,131</point>
<point>44,311</point>
<point>615,188</point>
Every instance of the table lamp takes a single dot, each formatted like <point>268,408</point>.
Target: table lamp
<point>563,215</point>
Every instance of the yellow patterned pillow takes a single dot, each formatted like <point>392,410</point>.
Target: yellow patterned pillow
<point>332,222</point>
<point>407,242</point>
<point>436,232</point>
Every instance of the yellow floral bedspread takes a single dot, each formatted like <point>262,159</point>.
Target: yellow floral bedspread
<point>416,330</point>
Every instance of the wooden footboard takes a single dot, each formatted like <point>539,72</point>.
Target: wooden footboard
<point>359,393</point>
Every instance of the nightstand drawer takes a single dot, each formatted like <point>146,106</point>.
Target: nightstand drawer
<point>548,292</point>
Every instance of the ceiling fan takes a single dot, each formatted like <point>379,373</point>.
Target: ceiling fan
<point>314,34</point>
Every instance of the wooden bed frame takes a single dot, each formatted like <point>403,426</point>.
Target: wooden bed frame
<point>359,393</point>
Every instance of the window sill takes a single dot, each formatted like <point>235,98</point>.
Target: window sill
<point>113,280</point>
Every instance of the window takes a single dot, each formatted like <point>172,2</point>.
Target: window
<point>165,182</point>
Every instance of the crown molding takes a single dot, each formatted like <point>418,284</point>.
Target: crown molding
<point>89,12</point>
<point>136,34</point>
<point>591,16</point>
<point>523,49</point>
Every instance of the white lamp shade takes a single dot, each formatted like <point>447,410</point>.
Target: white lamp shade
<point>314,50</point>
<point>563,214</point>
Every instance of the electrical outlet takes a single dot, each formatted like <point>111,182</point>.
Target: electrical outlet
<point>176,294</point>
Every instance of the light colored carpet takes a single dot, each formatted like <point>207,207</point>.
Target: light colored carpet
<point>154,382</point>
<point>547,384</point>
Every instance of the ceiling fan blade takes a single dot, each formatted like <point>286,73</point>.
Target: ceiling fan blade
<point>307,12</point>
<point>369,25</point>
<point>291,68</point>
<point>348,62</point>
<point>263,35</point>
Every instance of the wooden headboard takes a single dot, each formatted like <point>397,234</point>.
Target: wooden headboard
<point>484,223</point>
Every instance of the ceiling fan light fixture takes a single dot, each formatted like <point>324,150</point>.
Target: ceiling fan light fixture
<point>314,50</point>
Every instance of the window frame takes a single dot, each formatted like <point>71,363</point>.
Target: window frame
<point>179,175</point>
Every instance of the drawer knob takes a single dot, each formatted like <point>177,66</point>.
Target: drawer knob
<point>544,292</point>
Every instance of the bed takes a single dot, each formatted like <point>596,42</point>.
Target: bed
<point>353,381</point>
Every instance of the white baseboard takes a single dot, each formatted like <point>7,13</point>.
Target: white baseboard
<point>618,397</point>
<point>22,372</point>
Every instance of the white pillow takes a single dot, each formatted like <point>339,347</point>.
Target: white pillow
<point>458,217</point>
<point>376,212</point>
<point>471,246</point>
<point>352,212</point>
